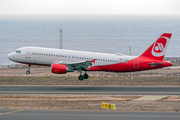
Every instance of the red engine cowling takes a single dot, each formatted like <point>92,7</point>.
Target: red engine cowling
<point>58,68</point>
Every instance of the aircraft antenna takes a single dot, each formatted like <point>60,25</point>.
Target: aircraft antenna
<point>130,50</point>
<point>60,32</point>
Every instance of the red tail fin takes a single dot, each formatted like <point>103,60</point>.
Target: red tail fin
<point>158,48</point>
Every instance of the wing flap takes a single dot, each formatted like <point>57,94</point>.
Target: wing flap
<point>76,65</point>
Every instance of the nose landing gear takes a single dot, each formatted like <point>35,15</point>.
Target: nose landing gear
<point>28,71</point>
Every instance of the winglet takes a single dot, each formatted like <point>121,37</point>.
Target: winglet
<point>94,60</point>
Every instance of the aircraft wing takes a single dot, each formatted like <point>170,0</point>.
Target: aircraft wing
<point>77,65</point>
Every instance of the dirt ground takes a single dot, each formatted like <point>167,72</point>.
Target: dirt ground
<point>43,76</point>
<point>88,102</point>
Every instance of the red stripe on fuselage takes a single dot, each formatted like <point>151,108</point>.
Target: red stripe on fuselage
<point>142,64</point>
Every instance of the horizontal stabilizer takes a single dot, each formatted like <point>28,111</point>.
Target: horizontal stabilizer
<point>155,64</point>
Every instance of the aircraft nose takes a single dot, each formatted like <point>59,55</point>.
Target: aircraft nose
<point>10,56</point>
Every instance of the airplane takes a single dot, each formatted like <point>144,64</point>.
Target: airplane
<point>63,61</point>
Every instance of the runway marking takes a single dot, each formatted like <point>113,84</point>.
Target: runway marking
<point>11,112</point>
<point>150,97</point>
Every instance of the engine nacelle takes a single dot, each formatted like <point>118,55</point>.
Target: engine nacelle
<point>60,69</point>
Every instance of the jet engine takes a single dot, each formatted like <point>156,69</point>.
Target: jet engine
<point>60,69</point>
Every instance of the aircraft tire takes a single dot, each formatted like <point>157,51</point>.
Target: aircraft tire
<point>80,77</point>
<point>86,76</point>
<point>27,72</point>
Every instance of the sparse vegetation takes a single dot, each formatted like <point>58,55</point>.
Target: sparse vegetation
<point>6,107</point>
<point>70,80</point>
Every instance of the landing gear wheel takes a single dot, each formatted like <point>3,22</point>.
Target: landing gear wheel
<point>27,72</point>
<point>86,76</point>
<point>80,77</point>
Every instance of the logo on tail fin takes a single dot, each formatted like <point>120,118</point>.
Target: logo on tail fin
<point>159,47</point>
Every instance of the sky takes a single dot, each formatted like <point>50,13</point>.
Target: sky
<point>89,7</point>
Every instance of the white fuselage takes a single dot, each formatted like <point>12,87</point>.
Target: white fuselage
<point>47,56</point>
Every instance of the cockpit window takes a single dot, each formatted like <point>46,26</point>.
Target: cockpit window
<point>18,51</point>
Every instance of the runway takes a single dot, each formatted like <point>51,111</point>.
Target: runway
<point>84,115</point>
<point>94,90</point>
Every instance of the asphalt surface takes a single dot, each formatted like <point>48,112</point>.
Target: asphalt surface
<point>84,115</point>
<point>95,90</point>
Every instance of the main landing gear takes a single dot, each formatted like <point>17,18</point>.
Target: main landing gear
<point>28,71</point>
<point>81,77</point>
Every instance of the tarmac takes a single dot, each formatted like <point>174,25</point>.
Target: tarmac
<point>20,114</point>
<point>90,90</point>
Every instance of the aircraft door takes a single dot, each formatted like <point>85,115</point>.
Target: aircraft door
<point>28,53</point>
<point>136,63</point>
